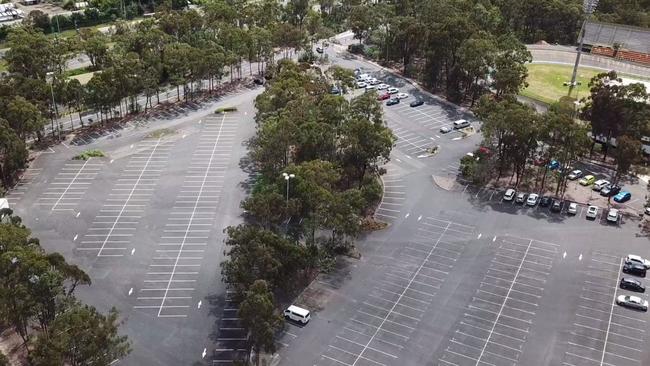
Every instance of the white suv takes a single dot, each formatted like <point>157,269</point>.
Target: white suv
<point>612,215</point>
<point>509,195</point>
<point>600,184</point>
<point>297,314</point>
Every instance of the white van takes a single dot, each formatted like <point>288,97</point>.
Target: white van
<point>461,123</point>
<point>297,314</point>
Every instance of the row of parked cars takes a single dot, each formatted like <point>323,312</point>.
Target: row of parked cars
<point>556,204</point>
<point>386,91</point>
<point>637,266</point>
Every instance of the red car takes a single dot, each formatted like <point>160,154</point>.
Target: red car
<point>383,96</point>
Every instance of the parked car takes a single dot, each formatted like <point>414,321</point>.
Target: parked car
<point>521,197</point>
<point>575,174</point>
<point>297,314</point>
<point>613,215</point>
<point>545,201</point>
<point>610,190</point>
<point>461,123</point>
<point>592,212</point>
<point>319,49</point>
<point>622,196</point>
<point>557,205</point>
<point>374,81</point>
<point>573,208</point>
<point>402,95</point>
<point>383,86</point>
<point>634,269</point>
<point>361,84</point>
<point>370,87</point>
<point>600,184</point>
<point>554,164</point>
<point>393,90</point>
<point>392,101</point>
<point>587,180</point>
<point>416,103</point>
<point>532,199</point>
<point>445,129</point>
<point>335,91</point>
<point>509,195</point>
<point>633,302</point>
<point>363,77</point>
<point>628,283</point>
<point>383,96</point>
<point>633,258</point>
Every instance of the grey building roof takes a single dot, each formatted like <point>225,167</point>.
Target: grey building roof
<point>606,34</point>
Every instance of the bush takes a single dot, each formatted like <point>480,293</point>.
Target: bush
<point>89,154</point>
<point>357,49</point>
<point>372,52</point>
<point>225,109</point>
<point>371,192</point>
<point>307,57</point>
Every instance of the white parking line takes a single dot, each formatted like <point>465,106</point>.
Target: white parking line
<point>609,323</point>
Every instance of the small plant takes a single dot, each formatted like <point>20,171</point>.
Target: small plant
<point>161,132</point>
<point>89,154</point>
<point>225,109</point>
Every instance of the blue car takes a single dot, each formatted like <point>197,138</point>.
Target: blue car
<point>554,164</point>
<point>622,196</point>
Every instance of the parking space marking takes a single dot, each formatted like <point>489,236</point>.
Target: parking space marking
<point>69,185</point>
<point>393,309</point>
<point>181,246</point>
<point>500,315</point>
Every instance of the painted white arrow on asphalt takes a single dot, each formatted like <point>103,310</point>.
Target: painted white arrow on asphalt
<point>563,255</point>
<point>407,215</point>
<point>479,236</point>
<point>580,257</point>
<point>75,237</point>
<point>132,251</point>
<point>205,351</point>
<point>199,304</point>
<point>130,291</point>
<point>78,213</point>
<point>419,217</point>
<point>494,239</point>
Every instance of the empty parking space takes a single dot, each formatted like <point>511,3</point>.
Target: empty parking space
<point>18,191</point>
<point>429,116</point>
<point>69,186</point>
<point>412,143</point>
<point>169,284</point>
<point>603,333</point>
<point>231,342</point>
<point>384,321</point>
<point>391,203</point>
<point>110,233</point>
<point>501,313</point>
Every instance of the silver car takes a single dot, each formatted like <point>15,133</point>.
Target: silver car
<point>633,302</point>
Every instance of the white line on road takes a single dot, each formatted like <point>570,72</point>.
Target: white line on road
<point>503,305</point>
<point>494,239</point>
<point>419,217</point>
<point>392,309</point>
<point>132,251</point>
<point>78,213</point>
<point>205,351</point>
<point>191,218</point>
<point>130,291</point>
<point>126,202</point>
<point>71,183</point>
<point>198,306</point>
<point>564,255</point>
<point>75,237</point>
<point>611,312</point>
<point>580,257</point>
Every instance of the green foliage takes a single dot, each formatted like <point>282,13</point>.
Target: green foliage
<point>256,312</point>
<point>89,154</point>
<point>225,109</point>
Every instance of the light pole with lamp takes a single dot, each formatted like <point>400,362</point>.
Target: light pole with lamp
<point>287,177</point>
<point>589,6</point>
<point>50,76</point>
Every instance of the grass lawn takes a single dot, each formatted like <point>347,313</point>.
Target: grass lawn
<point>546,81</point>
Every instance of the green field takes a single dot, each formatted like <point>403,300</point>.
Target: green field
<point>546,81</point>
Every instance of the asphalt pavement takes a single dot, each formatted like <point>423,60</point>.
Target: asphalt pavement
<point>462,277</point>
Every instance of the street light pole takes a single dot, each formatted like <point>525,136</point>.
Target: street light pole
<point>287,177</point>
<point>589,6</point>
<point>54,110</point>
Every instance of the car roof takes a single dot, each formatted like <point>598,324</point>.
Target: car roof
<point>298,310</point>
<point>634,256</point>
<point>589,176</point>
<point>592,208</point>
<point>623,193</point>
<point>630,280</point>
<point>510,190</point>
<point>533,195</point>
<point>613,210</point>
<point>634,298</point>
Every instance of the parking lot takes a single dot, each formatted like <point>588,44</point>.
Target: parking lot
<point>602,332</point>
<point>70,185</point>
<point>384,321</point>
<point>497,320</point>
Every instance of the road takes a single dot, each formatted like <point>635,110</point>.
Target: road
<point>461,277</point>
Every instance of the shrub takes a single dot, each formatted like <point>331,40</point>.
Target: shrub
<point>225,109</point>
<point>89,154</point>
<point>371,192</point>
<point>356,49</point>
